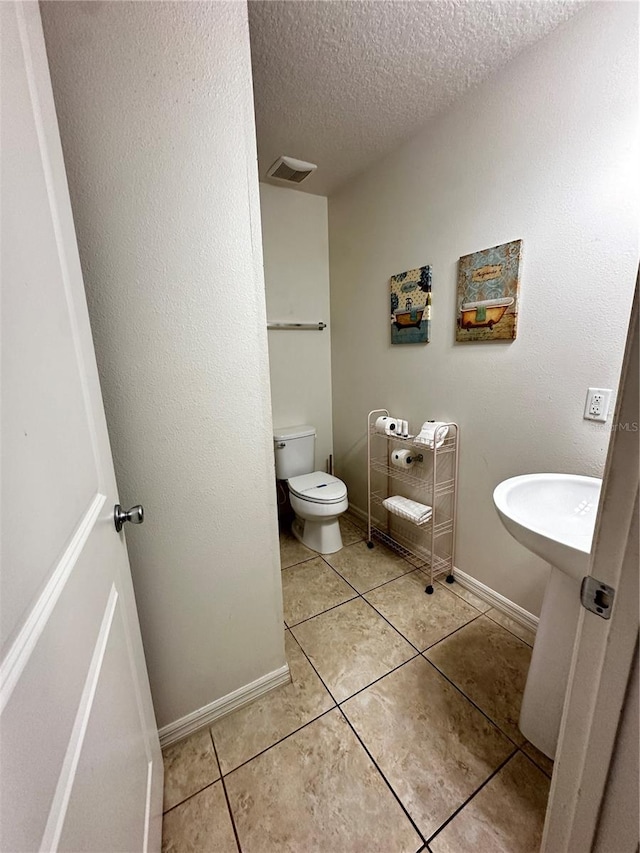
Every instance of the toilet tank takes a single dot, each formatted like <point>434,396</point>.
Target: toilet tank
<point>295,450</point>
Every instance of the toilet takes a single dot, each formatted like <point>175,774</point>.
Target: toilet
<point>317,499</point>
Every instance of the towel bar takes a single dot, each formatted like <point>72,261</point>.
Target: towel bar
<point>317,327</point>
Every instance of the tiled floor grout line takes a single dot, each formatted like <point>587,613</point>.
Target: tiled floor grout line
<point>524,642</point>
<point>422,653</point>
<point>322,612</point>
<point>374,588</point>
<point>375,681</point>
<point>378,586</point>
<point>356,595</point>
<point>320,678</point>
<point>469,798</point>
<point>420,835</point>
<point>413,568</point>
<point>298,563</point>
<point>399,666</point>
<point>451,633</point>
<point>459,689</point>
<point>495,621</point>
<point>388,621</point>
<point>333,698</point>
<point>457,583</point>
<point>516,747</point>
<point>333,569</point>
<point>507,629</point>
<point>422,568</point>
<point>535,764</point>
<point>338,704</point>
<point>280,740</point>
<point>450,587</point>
<point>403,575</point>
<point>384,778</point>
<point>477,707</point>
<point>515,750</point>
<point>324,713</point>
<point>382,616</point>
<point>190,797</point>
<point>360,595</point>
<point>226,795</point>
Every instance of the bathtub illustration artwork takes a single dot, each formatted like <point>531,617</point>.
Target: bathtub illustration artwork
<point>407,317</point>
<point>411,306</point>
<point>487,312</point>
<point>488,288</point>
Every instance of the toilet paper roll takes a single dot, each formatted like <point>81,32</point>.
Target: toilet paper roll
<point>387,425</point>
<point>402,458</point>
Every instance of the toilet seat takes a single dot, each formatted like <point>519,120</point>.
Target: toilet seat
<point>318,487</point>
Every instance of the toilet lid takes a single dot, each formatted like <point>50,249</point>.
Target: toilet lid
<point>318,487</point>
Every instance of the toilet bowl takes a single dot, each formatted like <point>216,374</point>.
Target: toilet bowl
<point>317,499</point>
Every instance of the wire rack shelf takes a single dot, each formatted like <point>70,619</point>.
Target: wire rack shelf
<point>432,478</point>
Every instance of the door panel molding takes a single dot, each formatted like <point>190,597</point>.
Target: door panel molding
<point>147,811</point>
<point>58,811</point>
<point>22,647</point>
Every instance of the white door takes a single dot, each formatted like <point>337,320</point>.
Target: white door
<point>81,767</point>
<point>598,719</point>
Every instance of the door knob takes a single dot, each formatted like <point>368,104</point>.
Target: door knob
<point>135,515</point>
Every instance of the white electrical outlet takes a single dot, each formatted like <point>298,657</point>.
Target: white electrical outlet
<point>597,406</point>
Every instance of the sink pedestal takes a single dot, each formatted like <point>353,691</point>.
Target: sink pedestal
<point>546,686</point>
<point>554,516</point>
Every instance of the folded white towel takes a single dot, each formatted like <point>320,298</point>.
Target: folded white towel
<point>432,433</point>
<point>411,510</point>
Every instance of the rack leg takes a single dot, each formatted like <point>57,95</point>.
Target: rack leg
<point>429,589</point>
<point>450,579</point>
<point>369,544</point>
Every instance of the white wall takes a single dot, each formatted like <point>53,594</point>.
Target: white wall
<point>544,151</point>
<point>154,102</point>
<point>296,271</point>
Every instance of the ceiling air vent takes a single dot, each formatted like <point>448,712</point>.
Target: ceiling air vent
<point>291,171</point>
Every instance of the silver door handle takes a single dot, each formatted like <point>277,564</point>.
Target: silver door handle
<point>135,515</point>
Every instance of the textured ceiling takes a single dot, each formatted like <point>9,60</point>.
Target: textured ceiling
<point>342,83</point>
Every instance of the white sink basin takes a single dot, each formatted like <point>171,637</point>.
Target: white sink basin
<point>553,515</point>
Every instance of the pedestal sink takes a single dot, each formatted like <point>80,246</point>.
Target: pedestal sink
<point>554,516</point>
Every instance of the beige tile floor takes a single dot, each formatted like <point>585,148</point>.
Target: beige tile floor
<point>398,731</point>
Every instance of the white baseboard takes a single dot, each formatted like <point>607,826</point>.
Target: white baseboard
<point>220,707</point>
<point>495,599</point>
<point>505,605</point>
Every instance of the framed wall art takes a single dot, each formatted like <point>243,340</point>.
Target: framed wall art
<point>411,306</point>
<point>488,290</point>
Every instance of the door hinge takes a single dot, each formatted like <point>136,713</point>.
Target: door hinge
<point>597,596</point>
